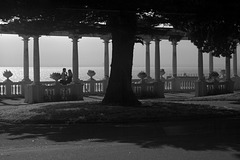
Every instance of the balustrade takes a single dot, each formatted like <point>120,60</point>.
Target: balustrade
<point>11,89</point>
<point>143,89</point>
<point>182,84</point>
<point>57,92</point>
<point>94,87</point>
<point>216,87</point>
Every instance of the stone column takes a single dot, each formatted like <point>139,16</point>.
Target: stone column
<point>200,65</point>
<point>147,60</point>
<point>235,78</point>
<point>230,83</point>
<point>76,86</point>
<point>36,60</point>
<point>228,68</point>
<point>210,62</point>
<point>174,58</point>
<point>200,86</point>
<point>25,59</point>
<point>235,74</point>
<point>75,64</point>
<point>157,60</point>
<point>34,92</point>
<point>159,85</point>
<point>106,57</point>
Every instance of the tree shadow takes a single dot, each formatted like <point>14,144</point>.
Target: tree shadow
<point>236,102</point>
<point>12,101</point>
<point>201,135</point>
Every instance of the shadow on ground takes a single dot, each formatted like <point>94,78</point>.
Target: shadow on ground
<point>11,101</point>
<point>198,135</point>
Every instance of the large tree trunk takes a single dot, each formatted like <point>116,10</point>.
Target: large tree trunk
<point>123,29</point>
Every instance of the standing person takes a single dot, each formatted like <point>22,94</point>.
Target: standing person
<point>69,77</point>
<point>64,77</point>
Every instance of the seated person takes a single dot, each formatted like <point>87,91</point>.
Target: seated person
<point>63,77</point>
<point>69,77</point>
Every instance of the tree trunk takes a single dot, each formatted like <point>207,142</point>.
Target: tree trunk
<point>119,90</point>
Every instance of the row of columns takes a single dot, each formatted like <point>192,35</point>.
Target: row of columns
<point>36,59</point>
<point>200,87</point>
<point>75,62</point>
<point>174,61</point>
<point>157,58</point>
<point>227,65</point>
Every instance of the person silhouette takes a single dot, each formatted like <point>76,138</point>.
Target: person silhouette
<point>69,76</point>
<point>63,77</point>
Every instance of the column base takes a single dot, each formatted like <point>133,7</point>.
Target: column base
<point>200,88</point>
<point>25,82</point>
<point>76,91</point>
<point>175,84</point>
<point>236,81</point>
<point>230,86</point>
<point>34,93</point>
<point>159,89</point>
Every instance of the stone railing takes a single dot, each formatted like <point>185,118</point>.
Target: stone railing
<point>148,89</point>
<point>216,87</point>
<point>11,89</point>
<point>180,84</point>
<point>143,89</point>
<point>56,92</point>
<point>94,87</point>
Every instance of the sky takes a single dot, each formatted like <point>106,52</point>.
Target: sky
<point>56,51</point>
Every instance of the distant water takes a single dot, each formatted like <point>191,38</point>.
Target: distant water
<point>46,71</point>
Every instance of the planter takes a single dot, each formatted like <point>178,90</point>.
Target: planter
<point>91,73</point>
<point>142,75</point>
<point>55,76</point>
<point>7,74</point>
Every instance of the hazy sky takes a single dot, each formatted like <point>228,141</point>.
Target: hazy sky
<point>57,51</point>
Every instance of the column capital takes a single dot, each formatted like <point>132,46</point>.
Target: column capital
<point>75,36</point>
<point>157,39</point>
<point>147,40</point>
<point>25,37</point>
<point>174,39</point>
<point>106,38</point>
<point>36,36</point>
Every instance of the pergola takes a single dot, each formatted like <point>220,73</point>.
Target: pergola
<point>34,90</point>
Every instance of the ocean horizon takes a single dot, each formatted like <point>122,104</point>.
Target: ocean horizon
<point>46,71</point>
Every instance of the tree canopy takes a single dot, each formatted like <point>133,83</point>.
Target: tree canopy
<point>212,26</point>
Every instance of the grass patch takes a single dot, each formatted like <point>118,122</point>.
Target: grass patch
<point>95,112</point>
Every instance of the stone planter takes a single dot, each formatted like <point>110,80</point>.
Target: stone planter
<point>91,73</point>
<point>55,76</point>
<point>7,74</point>
<point>142,75</point>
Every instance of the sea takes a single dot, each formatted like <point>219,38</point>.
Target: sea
<point>46,71</point>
